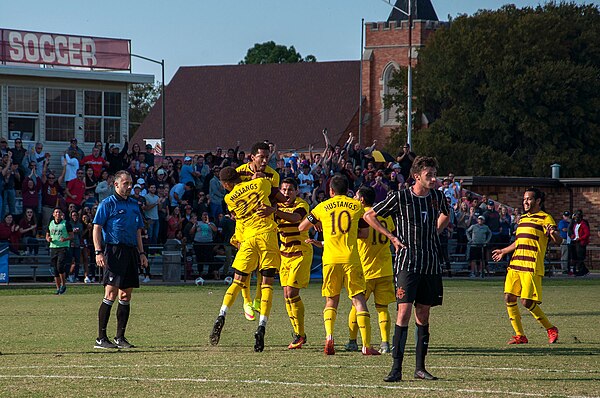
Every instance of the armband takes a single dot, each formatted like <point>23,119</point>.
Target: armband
<point>312,219</point>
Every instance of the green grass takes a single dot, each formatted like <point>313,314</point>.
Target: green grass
<point>46,345</point>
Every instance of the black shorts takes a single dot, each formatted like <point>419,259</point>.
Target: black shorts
<point>58,260</point>
<point>419,288</point>
<point>477,253</point>
<point>121,266</point>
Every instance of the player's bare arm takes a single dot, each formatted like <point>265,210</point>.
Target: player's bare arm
<point>442,222</point>
<point>140,245</point>
<point>499,253</point>
<point>97,237</point>
<point>306,224</point>
<point>371,218</point>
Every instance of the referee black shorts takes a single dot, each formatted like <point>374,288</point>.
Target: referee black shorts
<point>121,268</point>
<point>416,288</point>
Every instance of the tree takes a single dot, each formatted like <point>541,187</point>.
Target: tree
<point>512,91</point>
<point>141,99</point>
<point>271,53</point>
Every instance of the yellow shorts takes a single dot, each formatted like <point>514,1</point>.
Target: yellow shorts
<point>525,285</point>
<point>382,289</point>
<point>350,275</point>
<point>260,251</point>
<point>295,270</point>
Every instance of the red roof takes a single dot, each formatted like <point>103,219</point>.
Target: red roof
<point>288,104</point>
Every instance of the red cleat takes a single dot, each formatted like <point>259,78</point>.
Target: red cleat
<point>297,342</point>
<point>518,340</point>
<point>329,347</point>
<point>370,351</point>
<point>552,335</point>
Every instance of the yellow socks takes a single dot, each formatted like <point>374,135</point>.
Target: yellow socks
<point>384,322</point>
<point>266,301</point>
<point>290,311</point>
<point>539,316</point>
<point>232,292</point>
<point>364,325</point>
<point>352,325</point>
<point>297,308</point>
<point>515,318</point>
<point>329,315</point>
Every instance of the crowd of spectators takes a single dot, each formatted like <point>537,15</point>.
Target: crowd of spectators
<point>182,198</point>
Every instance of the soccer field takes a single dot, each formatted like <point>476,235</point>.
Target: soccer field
<point>47,347</point>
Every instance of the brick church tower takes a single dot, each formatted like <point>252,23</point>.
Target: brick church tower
<point>386,49</point>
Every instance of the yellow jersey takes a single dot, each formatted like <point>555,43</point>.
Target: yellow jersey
<point>340,217</point>
<point>532,240</point>
<point>246,174</point>
<point>292,240</point>
<point>244,200</point>
<point>374,251</point>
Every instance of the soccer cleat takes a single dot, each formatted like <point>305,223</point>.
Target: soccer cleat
<point>393,377</point>
<point>62,290</point>
<point>105,344</point>
<point>259,337</point>
<point>121,342</point>
<point>297,342</point>
<point>256,306</point>
<point>552,335</point>
<point>518,340</point>
<point>351,346</point>
<point>370,351</point>
<point>384,348</point>
<point>215,335</point>
<point>424,375</point>
<point>249,312</point>
<point>329,347</point>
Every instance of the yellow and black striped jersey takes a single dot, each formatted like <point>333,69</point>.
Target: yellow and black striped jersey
<point>532,240</point>
<point>292,240</point>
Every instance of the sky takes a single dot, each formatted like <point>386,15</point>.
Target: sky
<point>219,32</point>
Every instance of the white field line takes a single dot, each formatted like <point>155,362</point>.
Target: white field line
<point>491,369</point>
<point>293,384</point>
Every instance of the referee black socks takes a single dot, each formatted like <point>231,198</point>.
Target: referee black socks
<point>103,316</point>
<point>122,317</point>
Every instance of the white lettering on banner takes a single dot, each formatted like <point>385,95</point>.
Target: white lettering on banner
<point>15,47</point>
<point>46,48</point>
<point>74,51</point>
<point>60,41</point>
<point>32,52</point>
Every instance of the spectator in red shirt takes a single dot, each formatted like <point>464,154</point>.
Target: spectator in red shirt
<point>10,232</point>
<point>28,227</point>
<point>95,161</point>
<point>76,190</point>
<point>30,191</point>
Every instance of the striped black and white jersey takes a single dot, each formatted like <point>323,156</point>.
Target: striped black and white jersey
<point>416,226</point>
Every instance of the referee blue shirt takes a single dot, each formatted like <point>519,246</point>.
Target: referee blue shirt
<point>120,219</point>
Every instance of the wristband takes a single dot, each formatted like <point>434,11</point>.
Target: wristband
<point>98,252</point>
<point>142,253</point>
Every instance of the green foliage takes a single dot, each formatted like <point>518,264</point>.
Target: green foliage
<point>272,53</point>
<point>141,99</point>
<point>513,91</point>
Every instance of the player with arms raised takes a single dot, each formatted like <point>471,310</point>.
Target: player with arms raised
<point>249,201</point>
<point>339,217</point>
<point>526,268</point>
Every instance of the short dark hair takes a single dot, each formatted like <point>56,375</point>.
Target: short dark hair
<point>229,174</point>
<point>339,184</point>
<point>291,181</point>
<point>368,195</point>
<point>258,146</point>
<point>538,194</point>
<point>421,163</point>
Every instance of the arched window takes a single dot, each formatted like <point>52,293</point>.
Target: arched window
<point>388,116</point>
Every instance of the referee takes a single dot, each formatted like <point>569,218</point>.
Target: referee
<point>420,214</point>
<point>119,223</point>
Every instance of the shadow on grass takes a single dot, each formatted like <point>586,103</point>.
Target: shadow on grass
<point>575,313</point>
<point>512,350</point>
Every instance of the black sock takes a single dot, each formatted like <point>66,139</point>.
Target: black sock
<point>103,315</point>
<point>422,344</point>
<point>122,317</point>
<point>398,345</point>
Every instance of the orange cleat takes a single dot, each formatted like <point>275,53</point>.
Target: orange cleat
<point>518,340</point>
<point>552,335</point>
<point>329,347</point>
<point>370,351</point>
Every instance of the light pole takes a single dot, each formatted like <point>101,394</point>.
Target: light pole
<point>162,96</point>
<point>409,78</point>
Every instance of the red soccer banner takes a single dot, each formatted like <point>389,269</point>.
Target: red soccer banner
<point>64,50</point>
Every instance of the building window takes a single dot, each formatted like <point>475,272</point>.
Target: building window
<point>102,118</point>
<point>389,115</point>
<point>23,113</point>
<point>60,114</point>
